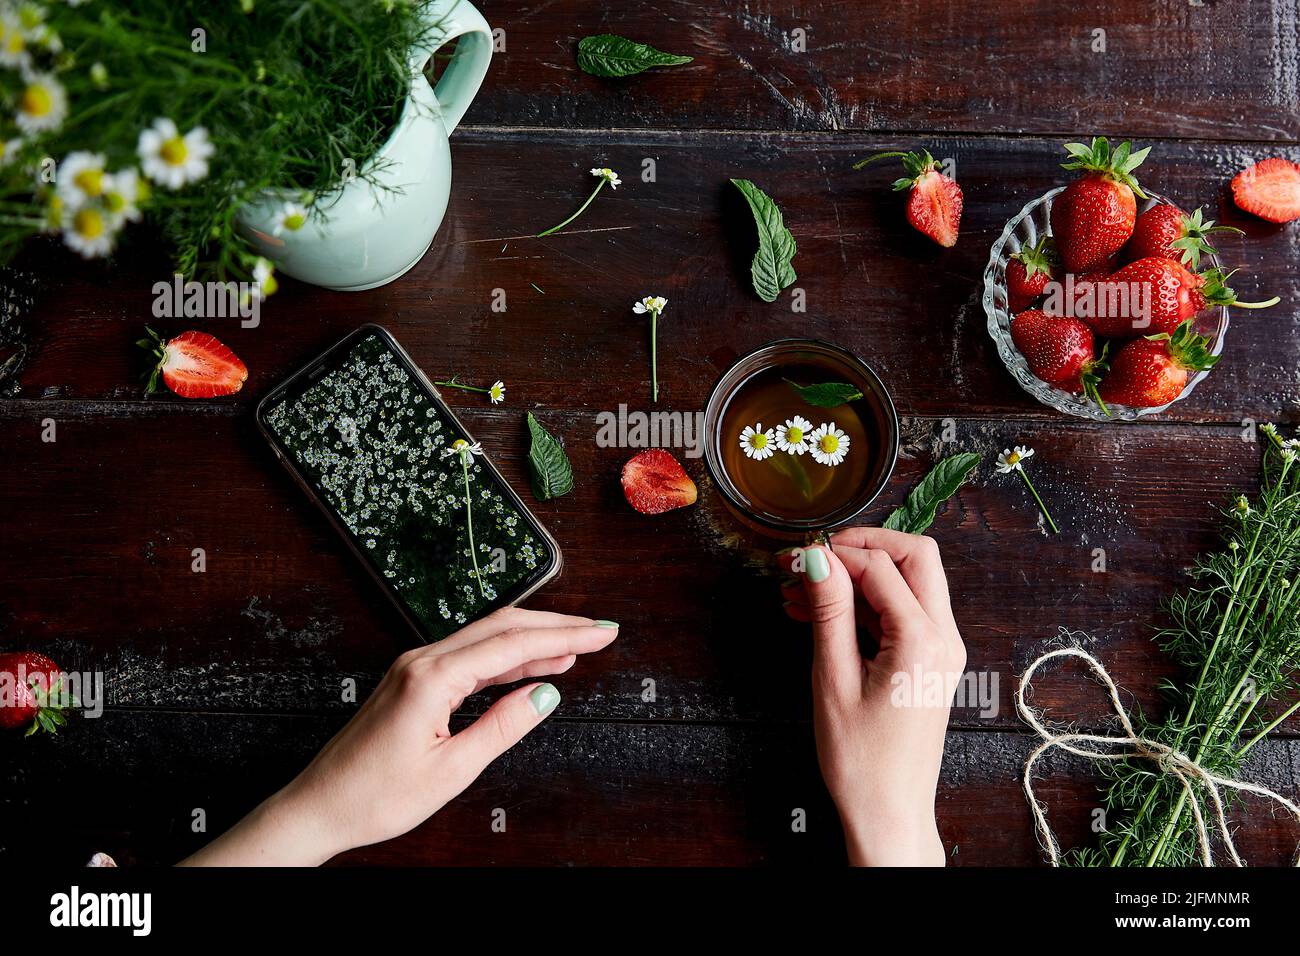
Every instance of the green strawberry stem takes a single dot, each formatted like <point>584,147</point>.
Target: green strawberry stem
<point>469,524</point>
<point>1216,292</point>
<point>915,164</point>
<point>1042,507</point>
<point>600,185</point>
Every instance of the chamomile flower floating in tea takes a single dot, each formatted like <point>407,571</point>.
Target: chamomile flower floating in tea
<point>652,305</point>
<point>1010,461</point>
<point>828,445</point>
<point>605,175</point>
<point>792,437</point>
<point>171,159</point>
<point>756,443</point>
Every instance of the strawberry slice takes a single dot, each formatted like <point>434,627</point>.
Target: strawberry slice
<point>194,365</point>
<point>655,482</point>
<point>1270,189</point>
<point>934,201</point>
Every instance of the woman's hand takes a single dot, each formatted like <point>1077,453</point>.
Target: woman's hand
<point>397,762</point>
<point>879,726</point>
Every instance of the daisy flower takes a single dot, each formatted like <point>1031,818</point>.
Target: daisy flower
<point>80,177</point>
<point>828,445</point>
<point>605,175</point>
<point>13,42</point>
<point>292,217</point>
<point>792,437</point>
<point>42,105</point>
<point>462,448</point>
<point>170,159</point>
<point>1010,461</point>
<point>496,392</point>
<point>604,172</point>
<point>9,150</point>
<point>756,443</point>
<point>123,192</point>
<point>652,305</point>
<point>264,277</point>
<point>89,230</point>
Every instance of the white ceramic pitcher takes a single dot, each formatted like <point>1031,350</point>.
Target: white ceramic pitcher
<point>367,236</point>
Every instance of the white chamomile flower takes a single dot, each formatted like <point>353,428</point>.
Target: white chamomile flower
<point>170,159</point>
<point>291,217</point>
<point>122,194</point>
<point>828,445</point>
<point>792,437</point>
<point>13,41</point>
<point>497,393</point>
<point>604,172</point>
<point>264,277</point>
<point>9,150</point>
<point>80,178</point>
<point>1010,461</point>
<point>651,303</point>
<point>756,443</point>
<point>462,448</point>
<point>89,230</point>
<point>42,105</point>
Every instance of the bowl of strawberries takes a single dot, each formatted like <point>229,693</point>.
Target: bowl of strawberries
<point>1107,302</point>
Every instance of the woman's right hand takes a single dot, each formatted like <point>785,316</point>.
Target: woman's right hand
<point>880,733</point>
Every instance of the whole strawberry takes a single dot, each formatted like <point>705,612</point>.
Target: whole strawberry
<point>934,200</point>
<point>1028,273</point>
<point>1152,371</point>
<point>1155,295</point>
<point>1093,217</point>
<point>1166,232</point>
<point>31,696</point>
<point>1060,351</point>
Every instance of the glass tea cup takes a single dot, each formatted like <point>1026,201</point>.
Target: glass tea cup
<point>793,496</point>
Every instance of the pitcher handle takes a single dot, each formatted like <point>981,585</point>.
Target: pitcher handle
<point>463,76</point>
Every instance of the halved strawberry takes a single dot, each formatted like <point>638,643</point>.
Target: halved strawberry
<point>194,365</point>
<point>935,201</point>
<point>35,693</point>
<point>655,482</point>
<point>1270,189</point>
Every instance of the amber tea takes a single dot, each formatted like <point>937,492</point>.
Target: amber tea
<point>797,460</point>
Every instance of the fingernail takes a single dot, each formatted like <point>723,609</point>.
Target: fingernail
<point>544,698</point>
<point>604,624</point>
<point>815,565</point>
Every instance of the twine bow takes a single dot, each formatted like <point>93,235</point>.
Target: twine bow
<point>1179,765</point>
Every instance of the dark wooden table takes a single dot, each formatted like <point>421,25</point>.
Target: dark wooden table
<point>224,683</point>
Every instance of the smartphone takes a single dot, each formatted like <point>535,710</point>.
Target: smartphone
<point>367,436</point>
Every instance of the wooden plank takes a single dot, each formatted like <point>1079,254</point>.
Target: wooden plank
<point>97,541</point>
<point>1219,70</point>
<point>871,283</point>
<point>573,792</point>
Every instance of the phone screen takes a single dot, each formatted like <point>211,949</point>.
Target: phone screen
<point>373,441</point>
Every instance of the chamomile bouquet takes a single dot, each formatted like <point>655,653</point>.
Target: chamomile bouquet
<point>180,113</point>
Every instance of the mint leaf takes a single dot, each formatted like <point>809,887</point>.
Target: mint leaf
<point>611,55</point>
<point>548,465</point>
<point>771,269</point>
<point>826,394</point>
<point>917,513</point>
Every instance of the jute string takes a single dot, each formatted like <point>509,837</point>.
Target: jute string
<point>1126,746</point>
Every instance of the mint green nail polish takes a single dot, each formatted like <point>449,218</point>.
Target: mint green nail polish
<point>815,565</point>
<point>544,698</point>
<point>603,624</point>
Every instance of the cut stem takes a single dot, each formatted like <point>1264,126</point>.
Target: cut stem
<point>654,355</point>
<point>599,186</point>
<point>469,523</point>
<point>1042,507</point>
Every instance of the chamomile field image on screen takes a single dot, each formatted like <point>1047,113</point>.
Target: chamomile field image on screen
<point>381,457</point>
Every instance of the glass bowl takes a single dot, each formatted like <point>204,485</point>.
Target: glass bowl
<point>839,363</point>
<point>1023,229</point>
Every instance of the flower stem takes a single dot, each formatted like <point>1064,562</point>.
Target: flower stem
<point>654,355</point>
<point>465,388</point>
<point>469,523</point>
<point>599,185</point>
<point>1041,507</point>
